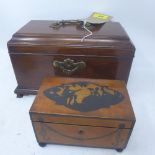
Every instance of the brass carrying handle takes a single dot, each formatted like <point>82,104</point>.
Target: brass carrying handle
<point>58,24</point>
<point>68,66</point>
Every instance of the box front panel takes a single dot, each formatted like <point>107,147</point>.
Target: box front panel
<point>30,69</point>
<point>113,123</point>
<point>81,135</point>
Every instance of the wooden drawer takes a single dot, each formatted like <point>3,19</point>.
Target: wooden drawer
<point>81,135</point>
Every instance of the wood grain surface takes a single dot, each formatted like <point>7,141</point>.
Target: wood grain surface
<point>108,127</point>
<point>108,54</point>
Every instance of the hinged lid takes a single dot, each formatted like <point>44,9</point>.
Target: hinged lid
<point>83,102</point>
<point>109,35</point>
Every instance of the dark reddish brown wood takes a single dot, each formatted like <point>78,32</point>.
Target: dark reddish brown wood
<point>108,53</point>
<point>108,127</point>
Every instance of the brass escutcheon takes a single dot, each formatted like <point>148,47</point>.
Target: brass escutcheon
<point>68,66</point>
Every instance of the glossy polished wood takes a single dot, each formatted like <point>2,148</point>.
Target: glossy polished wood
<point>108,53</point>
<point>106,127</point>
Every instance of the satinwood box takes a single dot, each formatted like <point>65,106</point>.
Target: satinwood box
<point>85,112</point>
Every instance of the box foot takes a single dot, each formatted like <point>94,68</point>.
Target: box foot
<point>21,92</point>
<point>19,95</point>
<point>42,144</point>
<point>119,150</point>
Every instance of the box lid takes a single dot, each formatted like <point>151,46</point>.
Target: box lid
<point>38,32</point>
<point>78,101</point>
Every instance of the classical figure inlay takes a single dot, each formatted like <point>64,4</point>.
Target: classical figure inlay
<point>84,96</point>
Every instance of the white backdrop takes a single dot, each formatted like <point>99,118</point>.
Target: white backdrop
<point>16,134</point>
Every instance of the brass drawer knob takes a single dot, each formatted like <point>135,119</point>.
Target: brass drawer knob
<point>68,66</point>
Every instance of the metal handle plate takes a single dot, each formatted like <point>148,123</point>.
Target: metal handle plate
<point>68,66</point>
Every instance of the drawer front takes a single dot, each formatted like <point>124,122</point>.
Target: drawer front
<point>31,69</point>
<point>81,135</point>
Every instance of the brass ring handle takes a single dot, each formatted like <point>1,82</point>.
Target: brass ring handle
<point>68,66</point>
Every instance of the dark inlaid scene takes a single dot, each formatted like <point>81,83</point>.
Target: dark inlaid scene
<point>84,96</point>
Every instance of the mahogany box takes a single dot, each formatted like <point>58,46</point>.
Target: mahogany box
<point>85,112</point>
<point>37,50</point>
